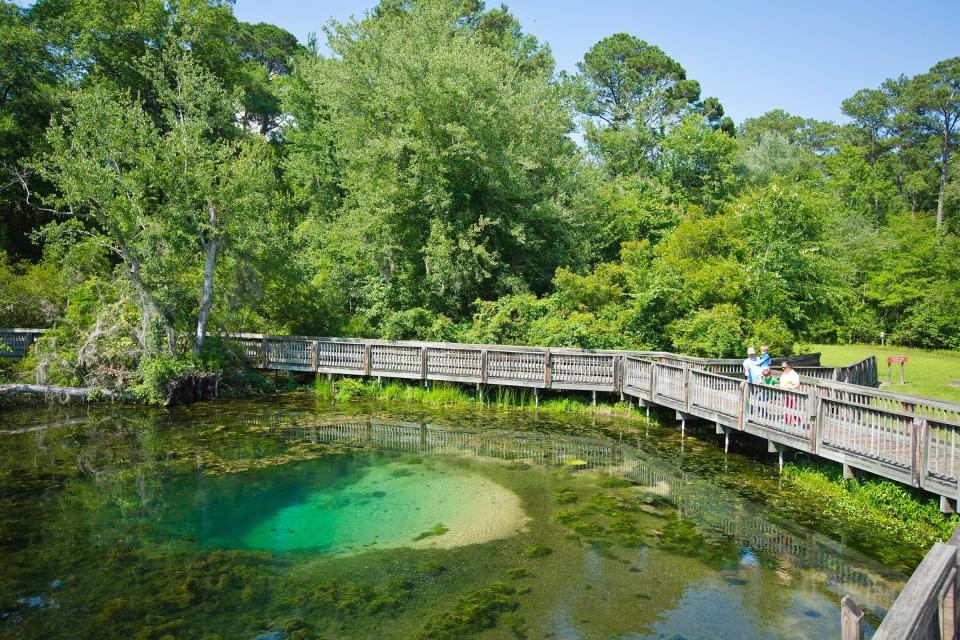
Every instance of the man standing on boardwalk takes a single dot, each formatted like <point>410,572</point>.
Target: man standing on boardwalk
<point>752,369</point>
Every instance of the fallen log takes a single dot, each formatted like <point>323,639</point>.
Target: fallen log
<point>10,390</point>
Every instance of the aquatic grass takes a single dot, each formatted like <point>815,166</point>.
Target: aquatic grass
<point>537,551</point>
<point>437,530</point>
<point>473,613</point>
<point>450,394</point>
<point>876,503</point>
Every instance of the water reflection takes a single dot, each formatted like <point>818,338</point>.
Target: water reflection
<point>798,553</point>
<point>129,505</point>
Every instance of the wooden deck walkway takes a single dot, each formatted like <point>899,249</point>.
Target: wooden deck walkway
<point>912,440</point>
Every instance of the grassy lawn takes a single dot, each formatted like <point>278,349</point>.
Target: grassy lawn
<point>927,373</point>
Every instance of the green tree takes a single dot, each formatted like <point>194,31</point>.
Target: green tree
<point>698,163</point>
<point>437,169</point>
<point>29,92</point>
<point>817,136</point>
<point>631,94</point>
<point>267,54</point>
<point>935,98</point>
<point>170,201</point>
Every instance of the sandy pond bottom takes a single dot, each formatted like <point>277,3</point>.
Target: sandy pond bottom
<point>393,505</point>
<point>301,523</point>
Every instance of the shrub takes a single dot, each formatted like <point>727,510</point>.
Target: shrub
<point>717,332</point>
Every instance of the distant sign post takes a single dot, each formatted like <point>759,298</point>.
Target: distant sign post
<point>890,360</point>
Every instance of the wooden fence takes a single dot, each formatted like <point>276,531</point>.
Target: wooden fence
<point>15,343</point>
<point>926,609</point>
<point>913,440</point>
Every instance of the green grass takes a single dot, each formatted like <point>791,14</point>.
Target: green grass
<point>874,504</point>
<point>927,373</point>
<point>448,394</point>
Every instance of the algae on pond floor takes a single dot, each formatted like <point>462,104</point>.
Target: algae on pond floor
<point>241,519</point>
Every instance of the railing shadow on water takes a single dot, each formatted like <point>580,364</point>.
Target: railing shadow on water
<point>823,562</point>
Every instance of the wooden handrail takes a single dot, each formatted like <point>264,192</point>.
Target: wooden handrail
<point>926,608</point>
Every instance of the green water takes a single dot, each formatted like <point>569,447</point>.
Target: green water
<point>390,506</point>
<point>283,518</point>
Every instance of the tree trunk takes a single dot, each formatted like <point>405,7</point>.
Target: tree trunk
<point>944,160</point>
<point>210,248</point>
<point>149,308</point>
<point>8,390</point>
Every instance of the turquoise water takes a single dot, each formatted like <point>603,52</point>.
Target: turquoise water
<point>284,518</point>
<point>389,506</point>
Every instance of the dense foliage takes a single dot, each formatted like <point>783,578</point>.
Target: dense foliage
<point>171,172</point>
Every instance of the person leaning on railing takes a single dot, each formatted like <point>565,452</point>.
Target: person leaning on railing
<point>790,380</point>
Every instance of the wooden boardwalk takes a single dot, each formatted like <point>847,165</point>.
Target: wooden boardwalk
<point>912,440</point>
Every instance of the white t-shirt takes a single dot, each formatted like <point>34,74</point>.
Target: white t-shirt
<point>753,369</point>
<point>790,380</point>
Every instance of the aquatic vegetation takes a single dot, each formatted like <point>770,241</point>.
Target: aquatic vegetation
<point>473,613</point>
<point>565,496</point>
<point>875,504</point>
<point>438,530</point>
<point>684,538</point>
<point>613,482</point>
<point>451,394</point>
<point>537,551</point>
<point>518,572</point>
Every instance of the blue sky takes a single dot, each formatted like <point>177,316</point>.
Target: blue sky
<point>755,55</point>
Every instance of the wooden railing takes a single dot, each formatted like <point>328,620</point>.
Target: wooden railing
<point>15,343</point>
<point>912,440</point>
<point>926,609</point>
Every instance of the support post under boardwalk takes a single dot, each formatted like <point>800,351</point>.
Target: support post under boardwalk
<point>682,417</point>
<point>779,449</point>
<point>725,430</point>
<point>851,620</point>
<point>536,398</point>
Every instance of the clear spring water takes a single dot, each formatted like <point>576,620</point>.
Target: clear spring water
<point>288,519</point>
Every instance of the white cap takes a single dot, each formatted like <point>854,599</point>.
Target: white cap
<point>751,351</point>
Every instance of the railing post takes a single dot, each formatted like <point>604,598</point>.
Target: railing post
<point>851,620</point>
<point>919,450</point>
<point>483,366</point>
<point>266,352</point>
<point>744,404</point>
<point>367,359</point>
<point>686,387</point>
<point>814,418</point>
<point>547,362</point>
<point>653,380</point>
<point>423,364</point>
<point>947,605</point>
<point>816,429</point>
<point>313,354</point>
